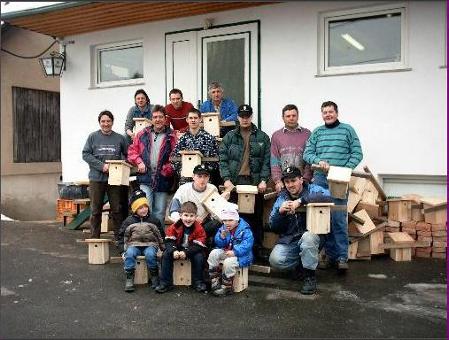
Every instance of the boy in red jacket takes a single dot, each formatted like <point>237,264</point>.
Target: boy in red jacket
<point>184,239</point>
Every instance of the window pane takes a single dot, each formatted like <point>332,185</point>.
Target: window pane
<point>226,64</point>
<point>121,63</point>
<point>369,40</point>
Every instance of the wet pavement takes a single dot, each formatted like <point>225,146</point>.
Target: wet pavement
<point>48,290</point>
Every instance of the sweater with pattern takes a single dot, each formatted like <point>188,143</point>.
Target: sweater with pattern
<point>338,145</point>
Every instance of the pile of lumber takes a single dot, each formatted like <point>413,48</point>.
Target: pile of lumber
<point>405,226</point>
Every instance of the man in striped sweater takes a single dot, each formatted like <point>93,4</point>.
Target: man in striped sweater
<point>337,144</point>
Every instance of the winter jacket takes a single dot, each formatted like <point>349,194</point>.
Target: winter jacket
<point>175,234</point>
<point>140,231</point>
<point>228,109</point>
<point>290,227</point>
<point>231,154</point>
<point>139,151</point>
<point>242,242</point>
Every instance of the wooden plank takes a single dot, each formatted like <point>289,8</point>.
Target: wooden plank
<point>260,269</point>
<point>353,173</point>
<point>400,237</point>
<point>414,244</point>
<point>376,184</point>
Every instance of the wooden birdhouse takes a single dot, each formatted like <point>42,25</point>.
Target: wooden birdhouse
<point>211,122</point>
<point>182,273</point>
<point>214,203</point>
<point>240,282</point>
<point>98,250</point>
<point>399,209</point>
<point>435,210</point>
<point>338,179</point>
<point>140,124</point>
<point>319,217</point>
<point>119,171</point>
<point>405,242</point>
<point>246,198</point>
<point>141,273</point>
<point>190,159</point>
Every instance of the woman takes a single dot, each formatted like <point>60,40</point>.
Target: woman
<point>103,145</point>
<point>142,109</point>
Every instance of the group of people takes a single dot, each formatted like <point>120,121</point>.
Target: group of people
<point>246,155</point>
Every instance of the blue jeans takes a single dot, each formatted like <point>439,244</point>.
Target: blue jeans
<point>158,202</point>
<point>286,256</point>
<point>337,242</point>
<point>149,252</point>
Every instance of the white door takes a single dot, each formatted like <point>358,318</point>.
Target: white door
<point>228,55</point>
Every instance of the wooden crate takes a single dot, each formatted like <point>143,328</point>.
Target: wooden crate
<point>98,250</point>
<point>399,209</point>
<point>182,273</point>
<point>141,272</point>
<point>211,122</point>
<point>119,171</point>
<point>318,217</point>
<point>240,280</point>
<point>338,179</point>
<point>246,198</point>
<point>189,159</point>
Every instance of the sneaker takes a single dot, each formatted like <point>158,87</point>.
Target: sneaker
<point>342,266</point>
<point>309,286</point>
<point>163,288</point>
<point>200,287</point>
<point>223,291</point>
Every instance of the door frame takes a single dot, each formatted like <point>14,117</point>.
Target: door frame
<point>197,29</point>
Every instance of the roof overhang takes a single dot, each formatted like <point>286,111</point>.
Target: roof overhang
<point>77,17</point>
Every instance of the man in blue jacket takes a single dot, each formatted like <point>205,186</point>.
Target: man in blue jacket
<point>296,248</point>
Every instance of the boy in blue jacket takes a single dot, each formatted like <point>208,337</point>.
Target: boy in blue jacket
<point>234,241</point>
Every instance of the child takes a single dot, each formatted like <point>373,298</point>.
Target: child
<point>235,241</point>
<point>184,239</point>
<point>140,234</point>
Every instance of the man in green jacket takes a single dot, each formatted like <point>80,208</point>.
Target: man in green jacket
<point>245,160</point>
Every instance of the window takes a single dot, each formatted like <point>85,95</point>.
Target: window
<point>119,64</point>
<point>37,133</point>
<point>363,40</point>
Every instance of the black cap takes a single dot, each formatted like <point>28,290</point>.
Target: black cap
<point>291,172</point>
<point>245,110</point>
<point>201,169</point>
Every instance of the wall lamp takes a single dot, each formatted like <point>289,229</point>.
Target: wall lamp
<point>55,62</point>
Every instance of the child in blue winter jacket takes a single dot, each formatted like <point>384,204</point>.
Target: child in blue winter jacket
<point>234,241</point>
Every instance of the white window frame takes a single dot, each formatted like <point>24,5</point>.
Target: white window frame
<point>323,38</point>
<point>96,61</point>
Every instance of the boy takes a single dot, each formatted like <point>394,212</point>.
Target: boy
<point>140,234</point>
<point>235,241</point>
<point>184,239</point>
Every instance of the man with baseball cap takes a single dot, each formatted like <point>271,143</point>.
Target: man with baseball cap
<point>296,249</point>
<point>245,159</point>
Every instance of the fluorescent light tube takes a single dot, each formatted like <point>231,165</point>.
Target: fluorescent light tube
<point>353,42</point>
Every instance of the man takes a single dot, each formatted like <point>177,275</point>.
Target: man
<point>195,192</point>
<point>102,145</point>
<point>287,147</point>
<point>337,144</point>
<point>196,138</point>
<point>150,152</point>
<point>296,249</point>
<point>245,159</point>
<point>177,111</point>
<point>217,103</point>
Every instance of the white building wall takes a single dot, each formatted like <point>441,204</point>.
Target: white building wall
<point>400,117</point>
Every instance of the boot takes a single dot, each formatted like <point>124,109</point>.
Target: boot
<point>154,280</point>
<point>215,278</point>
<point>309,286</point>
<point>342,267</point>
<point>225,288</point>
<point>129,284</point>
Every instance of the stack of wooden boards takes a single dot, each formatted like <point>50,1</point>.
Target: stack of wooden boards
<point>406,226</point>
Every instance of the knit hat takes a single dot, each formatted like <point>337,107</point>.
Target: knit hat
<point>230,212</point>
<point>291,172</point>
<point>137,199</point>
